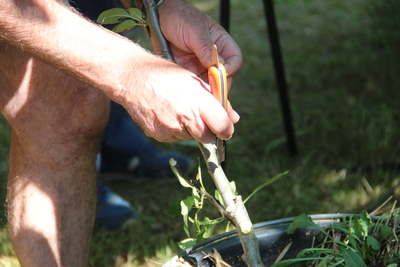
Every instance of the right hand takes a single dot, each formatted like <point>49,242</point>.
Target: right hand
<point>171,103</point>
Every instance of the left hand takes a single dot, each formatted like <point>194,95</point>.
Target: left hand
<point>191,34</point>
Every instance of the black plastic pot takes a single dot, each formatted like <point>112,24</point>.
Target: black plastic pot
<point>272,240</point>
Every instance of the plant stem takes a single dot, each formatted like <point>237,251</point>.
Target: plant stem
<point>234,204</point>
<point>152,20</point>
<point>234,207</point>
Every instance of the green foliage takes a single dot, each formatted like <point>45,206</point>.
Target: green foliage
<point>352,259</point>
<point>269,181</point>
<point>125,19</point>
<point>357,249</point>
<point>203,228</point>
<point>302,221</point>
<point>192,222</point>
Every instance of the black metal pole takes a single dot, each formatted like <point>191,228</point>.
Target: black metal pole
<point>280,75</point>
<point>225,13</point>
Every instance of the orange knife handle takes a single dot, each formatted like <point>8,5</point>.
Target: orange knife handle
<point>219,84</point>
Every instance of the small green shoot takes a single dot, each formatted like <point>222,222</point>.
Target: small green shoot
<point>125,19</point>
<point>269,181</point>
<point>190,207</point>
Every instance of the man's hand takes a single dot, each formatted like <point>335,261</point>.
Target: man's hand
<point>171,103</point>
<point>191,34</point>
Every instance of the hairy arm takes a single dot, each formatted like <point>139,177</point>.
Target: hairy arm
<point>167,101</point>
<point>58,35</point>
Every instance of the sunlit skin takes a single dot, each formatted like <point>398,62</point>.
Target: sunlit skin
<point>57,74</point>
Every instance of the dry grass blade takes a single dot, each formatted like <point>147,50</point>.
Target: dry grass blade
<point>377,210</point>
<point>216,258</point>
<point>283,253</point>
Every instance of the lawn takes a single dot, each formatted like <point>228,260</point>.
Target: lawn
<point>342,62</point>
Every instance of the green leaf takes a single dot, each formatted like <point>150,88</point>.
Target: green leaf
<point>186,224</point>
<point>340,227</point>
<point>302,221</point>
<point>183,182</point>
<point>395,259</point>
<point>124,26</point>
<point>199,237</point>
<point>288,262</point>
<point>392,265</point>
<point>352,259</point>
<point>322,263</point>
<point>175,208</point>
<point>365,223</point>
<point>269,181</point>
<point>218,197</point>
<point>198,176</point>
<point>228,224</point>
<point>112,16</point>
<point>209,230</point>
<point>314,253</point>
<point>136,14</point>
<point>208,221</point>
<point>187,205</point>
<point>354,226</point>
<point>385,231</point>
<point>196,198</point>
<point>373,243</point>
<point>187,243</point>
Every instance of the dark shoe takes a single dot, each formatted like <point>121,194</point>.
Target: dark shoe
<point>112,212</point>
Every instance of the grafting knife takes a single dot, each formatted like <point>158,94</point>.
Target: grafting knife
<point>217,78</point>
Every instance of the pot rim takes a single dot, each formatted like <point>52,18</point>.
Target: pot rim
<point>258,227</point>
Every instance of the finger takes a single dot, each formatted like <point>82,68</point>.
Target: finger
<point>163,137</point>
<point>233,115</point>
<point>203,52</point>
<point>202,133</point>
<point>217,119</point>
<point>182,134</point>
<point>233,62</point>
<point>230,52</point>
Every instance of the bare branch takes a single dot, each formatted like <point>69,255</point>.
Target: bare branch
<point>152,19</point>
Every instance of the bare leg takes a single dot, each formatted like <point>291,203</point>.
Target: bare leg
<point>57,124</point>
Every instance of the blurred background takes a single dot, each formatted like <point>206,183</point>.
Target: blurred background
<point>342,63</point>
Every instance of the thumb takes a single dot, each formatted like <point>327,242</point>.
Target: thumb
<point>217,119</point>
<point>202,47</point>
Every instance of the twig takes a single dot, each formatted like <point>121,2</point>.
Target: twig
<point>152,19</point>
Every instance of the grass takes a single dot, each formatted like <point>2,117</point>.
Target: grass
<point>342,64</point>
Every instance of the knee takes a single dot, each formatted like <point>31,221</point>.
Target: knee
<point>68,120</point>
<point>49,110</point>
<point>87,116</point>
